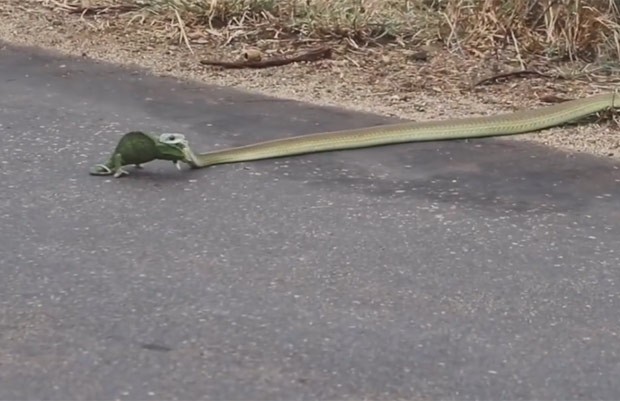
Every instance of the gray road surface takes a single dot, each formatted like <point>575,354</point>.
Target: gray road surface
<point>457,270</point>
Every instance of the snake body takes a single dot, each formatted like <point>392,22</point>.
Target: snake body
<point>496,125</point>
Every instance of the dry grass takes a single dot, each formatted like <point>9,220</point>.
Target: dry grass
<point>560,29</point>
<point>585,30</point>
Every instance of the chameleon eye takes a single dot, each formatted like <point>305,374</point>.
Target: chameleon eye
<point>171,138</point>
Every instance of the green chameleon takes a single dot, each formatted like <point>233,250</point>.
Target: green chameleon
<point>137,148</point>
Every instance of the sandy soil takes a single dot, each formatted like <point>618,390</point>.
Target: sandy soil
<point>388,80</point>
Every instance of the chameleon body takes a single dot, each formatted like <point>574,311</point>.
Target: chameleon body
<point>137,148</point>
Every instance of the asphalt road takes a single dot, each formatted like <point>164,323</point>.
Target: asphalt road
<point>456,270</point>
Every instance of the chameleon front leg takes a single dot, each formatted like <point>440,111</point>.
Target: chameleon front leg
<point>117,166</point>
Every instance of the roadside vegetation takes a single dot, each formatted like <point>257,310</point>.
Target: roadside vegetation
<point>558,29</point>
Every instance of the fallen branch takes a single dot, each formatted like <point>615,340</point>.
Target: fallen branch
<point>312,55</point>
<point>90,10</point>
<point>512,74</point>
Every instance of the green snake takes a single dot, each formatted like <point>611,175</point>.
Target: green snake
<point>496,125</point>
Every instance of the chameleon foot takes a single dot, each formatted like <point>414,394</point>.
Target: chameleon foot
<point>120,172</point>
<point>100,169</point>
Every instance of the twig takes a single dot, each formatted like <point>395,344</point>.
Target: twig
<point>510,74</point>
<point>516,43</point>
<point>64,6</point>
<point>542,14</point>
<point>452,33</point>
<point>182,30</point>
<point>312,55</point>
<point>120,8</point>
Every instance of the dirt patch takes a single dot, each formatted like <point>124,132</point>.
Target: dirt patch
<point>416,84</point>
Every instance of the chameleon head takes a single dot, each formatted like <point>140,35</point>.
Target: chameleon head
<point>172,146</point>
<point>178,142</point>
